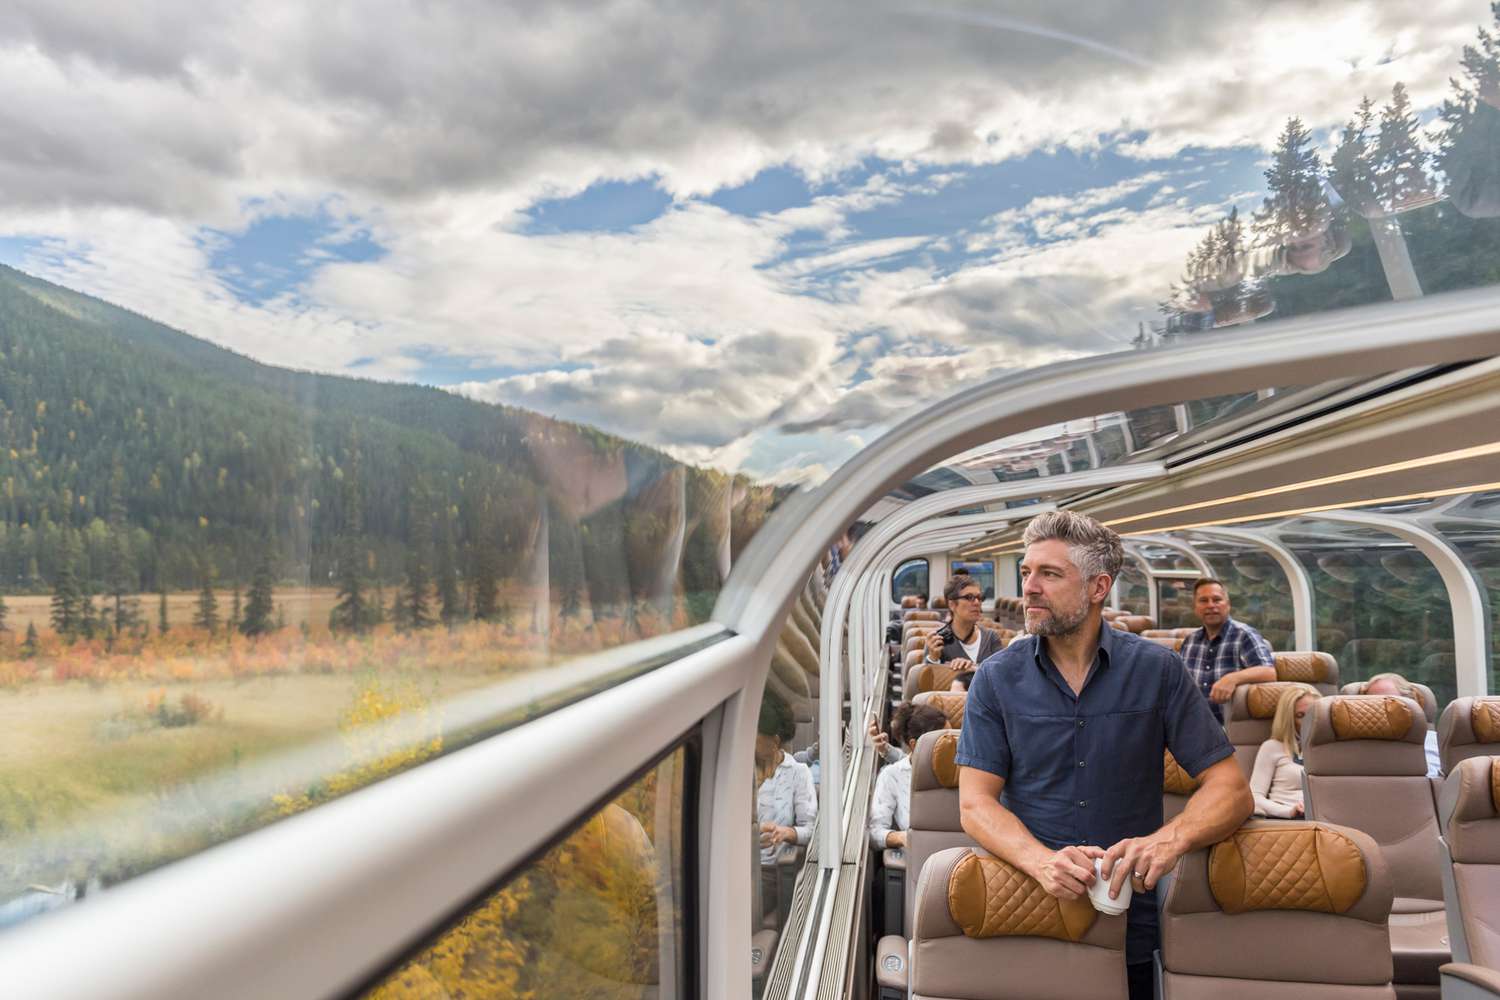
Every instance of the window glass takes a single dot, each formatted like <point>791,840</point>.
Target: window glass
<point>1381,605</point>
<point>910,580</point>
<point>983,572</point>
<point>602,915</point>
<point>1174,603</point>
<point>1259,593</point>
<point>1473,527</point>
<point>1135,589</point>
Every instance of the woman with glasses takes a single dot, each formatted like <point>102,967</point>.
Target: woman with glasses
<point>962,639</point>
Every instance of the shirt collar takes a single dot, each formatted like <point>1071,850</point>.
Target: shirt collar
<point>1107,642</point>
<point>1229,626</point>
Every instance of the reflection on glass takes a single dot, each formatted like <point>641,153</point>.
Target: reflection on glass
<point>1174,603</point>
<point>1381,605</point>
<point>787,772</point>
<point>1134,590</point>
<point>207,562</point>
<point>1472,526</point>
<point>910,580</point>
<point>599,916</point>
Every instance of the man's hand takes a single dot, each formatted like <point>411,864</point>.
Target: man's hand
<point>934,647</point>
<point>1147,857</point>
<point>1298,810</point>
<point>1223,688</point>
<point>1068,873</point>
<point>962,664</point>
<point>879,740</point>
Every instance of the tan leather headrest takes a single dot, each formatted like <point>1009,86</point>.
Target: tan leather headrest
<point>1294,866</point>
<point>1261,699</point>
<point>1307,668</point>
<point>950,703</point>
<point>1175,780</point>
<point>1495,781</point>
<point>1485,718</point>
<point>936,676</point>
<point>944,764</point>
<point>989,898</point>
<point>1366,718</point>
<point>1119,624</point>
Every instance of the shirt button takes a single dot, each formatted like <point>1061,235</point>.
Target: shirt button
<point>1080,723</point>
<point>1082,803</point>
<point>1081,763</point>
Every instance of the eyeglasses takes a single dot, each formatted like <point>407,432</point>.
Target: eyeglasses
<point>971,597</point>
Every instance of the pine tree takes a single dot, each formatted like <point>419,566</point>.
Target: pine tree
<point>449,594</point>
<point>1351,169</point>
<point>351,613</point>
<point>28,648</point>
<point>486,581</point>
<point>120,577</point>
<point>1467,146</point>
<point>161,611</point>
<point>414,612</point>
<point>66,594</point>
<point>1402,166</point>
<point>234,609</point>
<point>1297,208</point>
<point>4,615</point>
<point>206,616</point>
<point>258,606</point>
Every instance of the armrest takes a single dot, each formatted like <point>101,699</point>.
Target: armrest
<point>762,948</point>
<point>890,962</point>
<point>894,859</point>
<point>1462,981</point>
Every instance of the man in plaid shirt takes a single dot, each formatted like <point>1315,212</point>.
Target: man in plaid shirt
<point>1224,653</point>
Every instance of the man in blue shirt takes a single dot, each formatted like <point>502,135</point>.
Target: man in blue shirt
<point>1063,735</point>
<point>1224,653</point>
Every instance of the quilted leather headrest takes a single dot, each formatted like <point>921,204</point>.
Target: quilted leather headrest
<point>1309,668</point>
<point>989,898</point>
<point>1367,718</point>
<point>1294,866</point>
<point>944,764</point>
<point>1261,699</point>
<point>1175,780</point>
<point>1485,718</point>
<point>950,703</point>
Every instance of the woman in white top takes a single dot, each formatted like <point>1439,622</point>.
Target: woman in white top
<point>890,814</point>
<point>1277,778</point>
<point>785,801</point>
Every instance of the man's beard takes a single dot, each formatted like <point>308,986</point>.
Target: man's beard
<point>1060,623</point>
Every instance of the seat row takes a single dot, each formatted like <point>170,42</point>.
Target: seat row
<point>1368,799</point>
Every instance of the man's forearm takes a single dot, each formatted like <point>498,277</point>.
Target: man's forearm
<point>997,830</point>
<point>1254,675</point>
<point>1211,814</point>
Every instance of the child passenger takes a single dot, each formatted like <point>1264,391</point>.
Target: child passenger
<point>890,815</point>
<point>1276,780</point>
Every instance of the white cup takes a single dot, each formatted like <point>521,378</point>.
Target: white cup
<point>1099,892</point>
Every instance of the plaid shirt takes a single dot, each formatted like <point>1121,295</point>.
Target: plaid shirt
<point>1236,647</point>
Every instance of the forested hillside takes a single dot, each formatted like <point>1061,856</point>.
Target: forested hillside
<point>136,458</point>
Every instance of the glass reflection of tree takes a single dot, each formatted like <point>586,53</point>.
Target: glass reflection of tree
<point>1297,222</point>
<point>1469,147</point>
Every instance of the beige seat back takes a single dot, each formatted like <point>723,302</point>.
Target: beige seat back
<point>1177,787</point>
<point>1318,669</point>
<point>1279,909</point>
<point>985,929</point>
<point>1469,727</point>
<point>950,703</point>
<point>921,615</point>
<point>1425,698</point>
<point>1470,811</point>
<point>1366,768</point>
<point>1171,642</point>
<point>1137,623</point>
<point>935,823</point>
<point>1248,717</point>
<point>923,676</point>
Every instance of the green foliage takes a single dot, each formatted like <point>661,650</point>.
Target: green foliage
<point>258,606</point>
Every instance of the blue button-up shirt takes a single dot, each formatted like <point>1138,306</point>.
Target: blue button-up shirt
<point>1086,768</point>
<point>1235,647</point>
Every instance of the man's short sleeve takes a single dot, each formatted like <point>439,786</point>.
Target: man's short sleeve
<point>1255,651</point>
<point>982,742</point>
<point>1193,734</point>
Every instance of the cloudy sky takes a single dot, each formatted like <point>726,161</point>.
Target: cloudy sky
<point>752,233</point>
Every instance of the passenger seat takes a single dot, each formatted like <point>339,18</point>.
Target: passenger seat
<point>1366,768</point>
<point>950,703</point>
<point>1469,727</point>
<point>1279,909</point>
<point>1247,720</point>
<point>1425,698</point>
<point>985,929</point>
<point>1470,816</point>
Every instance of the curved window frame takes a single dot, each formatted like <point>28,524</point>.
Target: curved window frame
<point>925,590</point>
